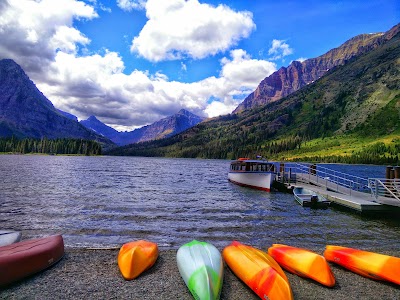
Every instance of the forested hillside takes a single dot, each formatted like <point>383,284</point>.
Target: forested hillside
<point>358,101</point>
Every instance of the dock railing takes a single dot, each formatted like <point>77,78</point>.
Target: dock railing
<point>382,187</point>
<point>328,178</point>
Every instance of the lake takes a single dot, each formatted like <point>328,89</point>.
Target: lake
<point>107,201</point>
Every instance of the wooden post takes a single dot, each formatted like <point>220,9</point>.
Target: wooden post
<point>389,173</point>
<point>397,172</point>
<point>397,176</point>
<point>313,169</point>
<point>388,168</point>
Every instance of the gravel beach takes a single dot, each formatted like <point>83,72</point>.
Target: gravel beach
<point>94,274</point>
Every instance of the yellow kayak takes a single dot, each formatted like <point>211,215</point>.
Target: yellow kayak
<point>258,270</point>
<point>303,262</point>
<point>136,257</point>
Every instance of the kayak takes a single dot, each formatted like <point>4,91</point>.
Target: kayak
<point>258,270</point>
<point>201,267</point>
<point>368,264</point>
<point>303,262</point>
<point>136,257</point>
<point>8,237</point>
<point>28,257</point>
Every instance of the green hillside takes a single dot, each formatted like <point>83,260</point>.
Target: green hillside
<point>344,117</point>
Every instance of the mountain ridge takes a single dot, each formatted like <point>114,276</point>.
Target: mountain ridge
<point>26,112</point>
<point>163,128</point>
<point>299,74</point>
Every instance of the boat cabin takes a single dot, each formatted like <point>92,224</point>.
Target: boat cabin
<point>243,165</point>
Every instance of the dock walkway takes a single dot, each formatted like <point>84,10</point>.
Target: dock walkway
<point>339,193</point>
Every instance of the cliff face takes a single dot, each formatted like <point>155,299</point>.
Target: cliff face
<point>26,112</point>
<point>299,74</point>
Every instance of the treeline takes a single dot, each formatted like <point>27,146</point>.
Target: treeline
<point>353,159</point>
<point>50,146</point>
<point>377,154</point>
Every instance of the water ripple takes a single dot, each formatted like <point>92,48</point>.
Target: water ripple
<point>107,201</point>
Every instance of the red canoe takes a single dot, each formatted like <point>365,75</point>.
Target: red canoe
<point>25,258</point>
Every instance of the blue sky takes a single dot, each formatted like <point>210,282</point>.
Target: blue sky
<point>131,63</point>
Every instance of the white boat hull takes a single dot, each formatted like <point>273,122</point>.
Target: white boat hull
<point>258,180</point>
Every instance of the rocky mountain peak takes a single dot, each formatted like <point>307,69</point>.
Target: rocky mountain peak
<point>299,74</point>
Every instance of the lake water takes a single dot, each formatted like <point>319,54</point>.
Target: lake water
<point>108,201</point>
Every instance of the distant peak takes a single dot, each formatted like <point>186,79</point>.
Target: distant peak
<point>92,118</point>
<point>8,61</point>
<point>183,112</point>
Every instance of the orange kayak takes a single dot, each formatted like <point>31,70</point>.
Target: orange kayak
<point>258,270</point>
<point>303,263</point>
<point>136,257</point>
<point>368,264</point>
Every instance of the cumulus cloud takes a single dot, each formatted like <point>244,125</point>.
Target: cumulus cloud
<point>127,101</point>
<point>129,5</point>
<point>179,28</point>
<point>31,32</point>
<point>279,49</point>
<point>46,45</point>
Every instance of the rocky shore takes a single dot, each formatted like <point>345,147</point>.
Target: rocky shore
<point>94,274</point>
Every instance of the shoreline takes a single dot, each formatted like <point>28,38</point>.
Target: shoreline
<point>94,274</point>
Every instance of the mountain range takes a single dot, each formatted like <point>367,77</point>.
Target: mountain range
<point>350,90</point>
<point>163,128</point>
<point>26,113</point>
<point>358,100</point>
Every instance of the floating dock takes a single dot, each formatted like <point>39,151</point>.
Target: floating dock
<point>342,189</point>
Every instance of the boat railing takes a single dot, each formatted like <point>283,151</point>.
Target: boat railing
<point>322,176</point>
<point>382,187</point>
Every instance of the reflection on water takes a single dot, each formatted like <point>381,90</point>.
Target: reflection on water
<point>107,201</point>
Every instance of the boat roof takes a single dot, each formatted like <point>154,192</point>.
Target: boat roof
<point>253,161</point>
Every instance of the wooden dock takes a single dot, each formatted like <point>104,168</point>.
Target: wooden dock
<point>362,202</point>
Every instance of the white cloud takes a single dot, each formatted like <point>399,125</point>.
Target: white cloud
<point>217,108</point>
<point>32,31</point>
<point>241,70</point>
<point>179,28</point>
<point>129,5</point>
<point>301,59</point>
<point>126,101</point>
<point>279,49</point>
<point>183,67</point>
<point>46,46</point>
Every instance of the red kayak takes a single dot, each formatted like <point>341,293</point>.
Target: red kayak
<point>20,260</point>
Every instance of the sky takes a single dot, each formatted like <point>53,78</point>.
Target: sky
<point>133,62</point>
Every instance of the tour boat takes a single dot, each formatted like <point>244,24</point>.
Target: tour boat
<point>258,174</point>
